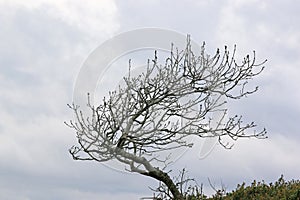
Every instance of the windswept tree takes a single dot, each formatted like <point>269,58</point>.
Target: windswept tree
<point>158,110</point>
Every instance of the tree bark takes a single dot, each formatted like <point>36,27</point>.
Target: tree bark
<point>165,178</point>
<point>153,172</point>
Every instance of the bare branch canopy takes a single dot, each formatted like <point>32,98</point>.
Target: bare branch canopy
<point>159,109</point>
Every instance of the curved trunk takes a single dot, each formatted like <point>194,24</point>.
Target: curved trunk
<point>150,171</point>
<point>165,178</point>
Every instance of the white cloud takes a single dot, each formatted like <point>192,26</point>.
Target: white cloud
<point>43,43</point>
<point>94,17</point>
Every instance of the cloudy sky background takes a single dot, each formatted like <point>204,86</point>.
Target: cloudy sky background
<point>43,45</point>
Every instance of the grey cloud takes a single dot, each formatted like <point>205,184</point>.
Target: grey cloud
<point>42,54</point>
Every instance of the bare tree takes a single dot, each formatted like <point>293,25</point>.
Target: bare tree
<point>157,110</point>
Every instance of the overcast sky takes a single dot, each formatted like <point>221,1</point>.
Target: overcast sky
<point>43,45</point>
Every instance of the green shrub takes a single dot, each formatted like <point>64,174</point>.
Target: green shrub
<point>280,190</point>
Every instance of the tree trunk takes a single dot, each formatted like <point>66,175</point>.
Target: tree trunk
<point>165,178</point>
<point>150,171</point>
